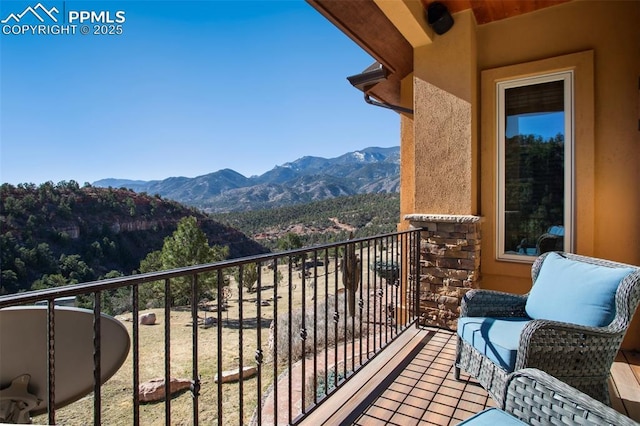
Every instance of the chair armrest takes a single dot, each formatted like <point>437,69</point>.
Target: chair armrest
<point>490,303</point>
<point>558,348</point>
<point>533,395</point>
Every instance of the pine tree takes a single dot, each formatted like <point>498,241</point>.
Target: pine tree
<point>187,246</point>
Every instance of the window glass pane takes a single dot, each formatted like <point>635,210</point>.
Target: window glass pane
<point>534,166</point>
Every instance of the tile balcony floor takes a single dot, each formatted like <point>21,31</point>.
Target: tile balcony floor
<point>411,383</point>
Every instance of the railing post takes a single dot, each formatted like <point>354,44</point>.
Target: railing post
<point>136,356</point>
<point>404,273</point>
<point>303,329</point>
<point>259,354</point>
<point>51,361</point>
<point>219,347</point>
<point>289,346</point>
<point>97,355</point>
<point>167,351</point>
<point>315,325</point>
<point>195,383</point>
<point>240,345</point>
<point>275,341</point>
<point>416,277</point>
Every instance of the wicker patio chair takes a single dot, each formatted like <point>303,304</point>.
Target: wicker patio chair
<point>533,397</point>
<point>499,333</point>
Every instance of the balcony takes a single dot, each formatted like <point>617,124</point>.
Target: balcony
<point>326,334</point>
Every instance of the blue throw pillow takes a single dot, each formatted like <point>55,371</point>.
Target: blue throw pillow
<point>575,292</point>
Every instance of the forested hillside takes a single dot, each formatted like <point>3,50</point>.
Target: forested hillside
<point>321,221</point>
<point>56,234</point>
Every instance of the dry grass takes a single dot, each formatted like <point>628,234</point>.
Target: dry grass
<point>117,393</point>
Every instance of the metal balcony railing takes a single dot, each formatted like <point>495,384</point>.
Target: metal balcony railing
<point>307,320</point>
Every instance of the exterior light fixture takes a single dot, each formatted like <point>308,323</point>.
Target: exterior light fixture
<point>439,18</point>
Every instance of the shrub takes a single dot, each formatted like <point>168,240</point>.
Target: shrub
<point>324,319</point>
<point>319,388</point>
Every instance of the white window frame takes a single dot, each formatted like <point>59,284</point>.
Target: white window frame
<point>569,159</point>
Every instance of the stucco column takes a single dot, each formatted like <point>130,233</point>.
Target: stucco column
<point>445,126</point>
<point>444,171</point>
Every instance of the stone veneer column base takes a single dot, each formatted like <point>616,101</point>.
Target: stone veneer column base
<point>449,265</point>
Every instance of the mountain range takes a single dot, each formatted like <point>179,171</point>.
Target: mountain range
<point>371,170</point>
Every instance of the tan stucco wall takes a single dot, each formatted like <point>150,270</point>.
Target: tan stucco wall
<point>607,195</point>
<point>407,155</point>
<point>445,92</point>
<point>444,148</point>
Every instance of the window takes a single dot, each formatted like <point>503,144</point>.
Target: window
<point>535,166</point>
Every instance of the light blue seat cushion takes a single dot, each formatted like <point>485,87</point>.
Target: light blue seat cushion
<point>496,338</point>
<point>491,417</point>
<point>575,292</point>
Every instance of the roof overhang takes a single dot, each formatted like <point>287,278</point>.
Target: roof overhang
<point>367,25</point>
<point>390,30</point>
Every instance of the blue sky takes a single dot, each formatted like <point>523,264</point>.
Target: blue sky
<point>547,125</point>
<point>188,88</point>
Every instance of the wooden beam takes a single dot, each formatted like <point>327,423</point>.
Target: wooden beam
<point>387,91</point>
<point>368,26</point>
<point>486,11</point>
